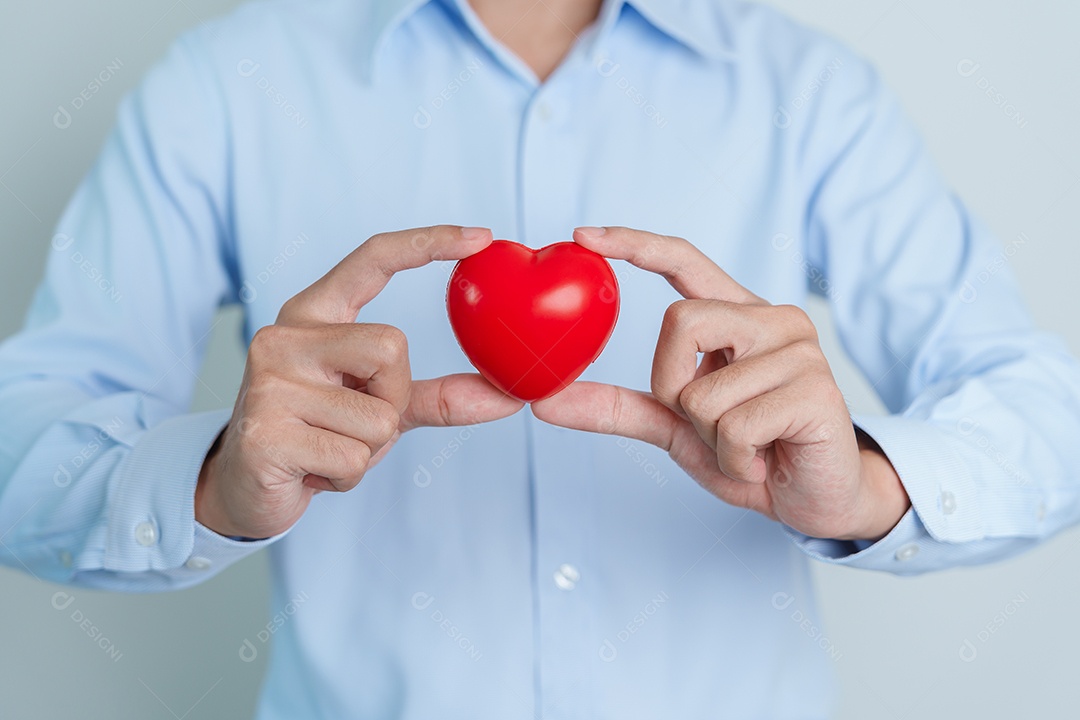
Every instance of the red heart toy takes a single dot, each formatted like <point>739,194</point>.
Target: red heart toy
<point>529,320</point>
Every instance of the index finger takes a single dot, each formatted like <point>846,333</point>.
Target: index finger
<point>339,295</point>
<point>691,272</point>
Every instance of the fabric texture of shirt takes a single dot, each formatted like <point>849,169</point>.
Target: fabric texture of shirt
<point>515,569</point>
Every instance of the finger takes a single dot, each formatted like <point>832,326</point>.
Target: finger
<point>382,452</point>
<point>344,411</point>
<point>708,398</point>
<point>338,460</point>
<point>751,427</point>
<point>611,410</point>
<point>339,295</point>
<point>463,399</point>
<point>689,270</point>
<point>375,355</point>
<point>702,326</point>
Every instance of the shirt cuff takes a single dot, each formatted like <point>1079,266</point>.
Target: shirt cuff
<point>151,517</point>
<point>944,503</point>
<point>900,552</point>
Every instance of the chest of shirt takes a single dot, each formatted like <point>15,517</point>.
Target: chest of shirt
<point>625,135</point>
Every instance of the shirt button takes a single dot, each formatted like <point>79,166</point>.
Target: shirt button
<point>543,110</point>
<point>948,503</point>
<point>907,552</point>
<point>65,558</point>
<point>145,534</point>
<point>1040,512</point>
<point>197,563</point>
<point>566,577</point>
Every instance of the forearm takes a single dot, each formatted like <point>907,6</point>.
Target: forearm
<point>93,496</point>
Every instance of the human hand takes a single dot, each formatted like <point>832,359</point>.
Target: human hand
<point>760,423</point>
<point>324,397</point>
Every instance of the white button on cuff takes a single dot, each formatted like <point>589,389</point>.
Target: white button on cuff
<point>948,502</point>
<point>1040,512</point>
<point>65,558</point>
<point>566,577</point>
<point>145,534</point>
<point>197,563</point>
<point>907,552</point>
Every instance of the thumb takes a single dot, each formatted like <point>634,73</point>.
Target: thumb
<point>464,399</point>
<point>612,410</point>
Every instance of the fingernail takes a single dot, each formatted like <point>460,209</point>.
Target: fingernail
<point>591,232</point>
<point>474,233</point>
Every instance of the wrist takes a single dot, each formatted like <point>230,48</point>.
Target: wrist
<point>208,506</point>
<point>884,500</point>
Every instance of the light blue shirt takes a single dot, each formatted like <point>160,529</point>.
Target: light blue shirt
<point>516,568</point>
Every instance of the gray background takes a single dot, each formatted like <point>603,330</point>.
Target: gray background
<point>897,640</point>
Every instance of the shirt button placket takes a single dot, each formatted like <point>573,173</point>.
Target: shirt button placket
<point>562,499</point>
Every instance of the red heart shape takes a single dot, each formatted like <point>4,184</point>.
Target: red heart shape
<point>529,320</point>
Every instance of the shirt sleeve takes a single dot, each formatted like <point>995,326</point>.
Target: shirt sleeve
<point>984,409</point>
<point>98,456</point>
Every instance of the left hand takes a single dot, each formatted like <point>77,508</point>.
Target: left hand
<point>760,423</point>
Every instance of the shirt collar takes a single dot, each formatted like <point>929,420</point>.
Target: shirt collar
<point>376,25</point>
<point>701,25</point>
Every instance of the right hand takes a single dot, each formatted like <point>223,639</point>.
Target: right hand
<point>324,397</point>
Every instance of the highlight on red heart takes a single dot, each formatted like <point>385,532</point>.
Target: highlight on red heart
<point>531,321</point>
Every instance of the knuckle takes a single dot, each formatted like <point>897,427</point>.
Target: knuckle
<point>269,483</point>
<point>291,307</point>
<point>246,433</point>
<point>264,387</point>
<point>679,244</point>
<point>796,318</point>
<point>353,473</point>
<point>446,413</point>
<point>807,351</point>
<point>650,248</point>
<point>679,250</point>
<point>375,249</point>
<point>355,459</point>
<point>384,422</point>
<point>260,445</point>
<point>616,418</point>
<point>644,254</point>
<point>694,399</point>
<point>824,386</point>
<point>273,349</point>
<point>377,239</point>
<point>267,340</point>
<point>731,429</point>
<point>349,458</point>
<point>392,344</point>
<point>423,238</point>
<point>346,484</point>
<point>679,314</point>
